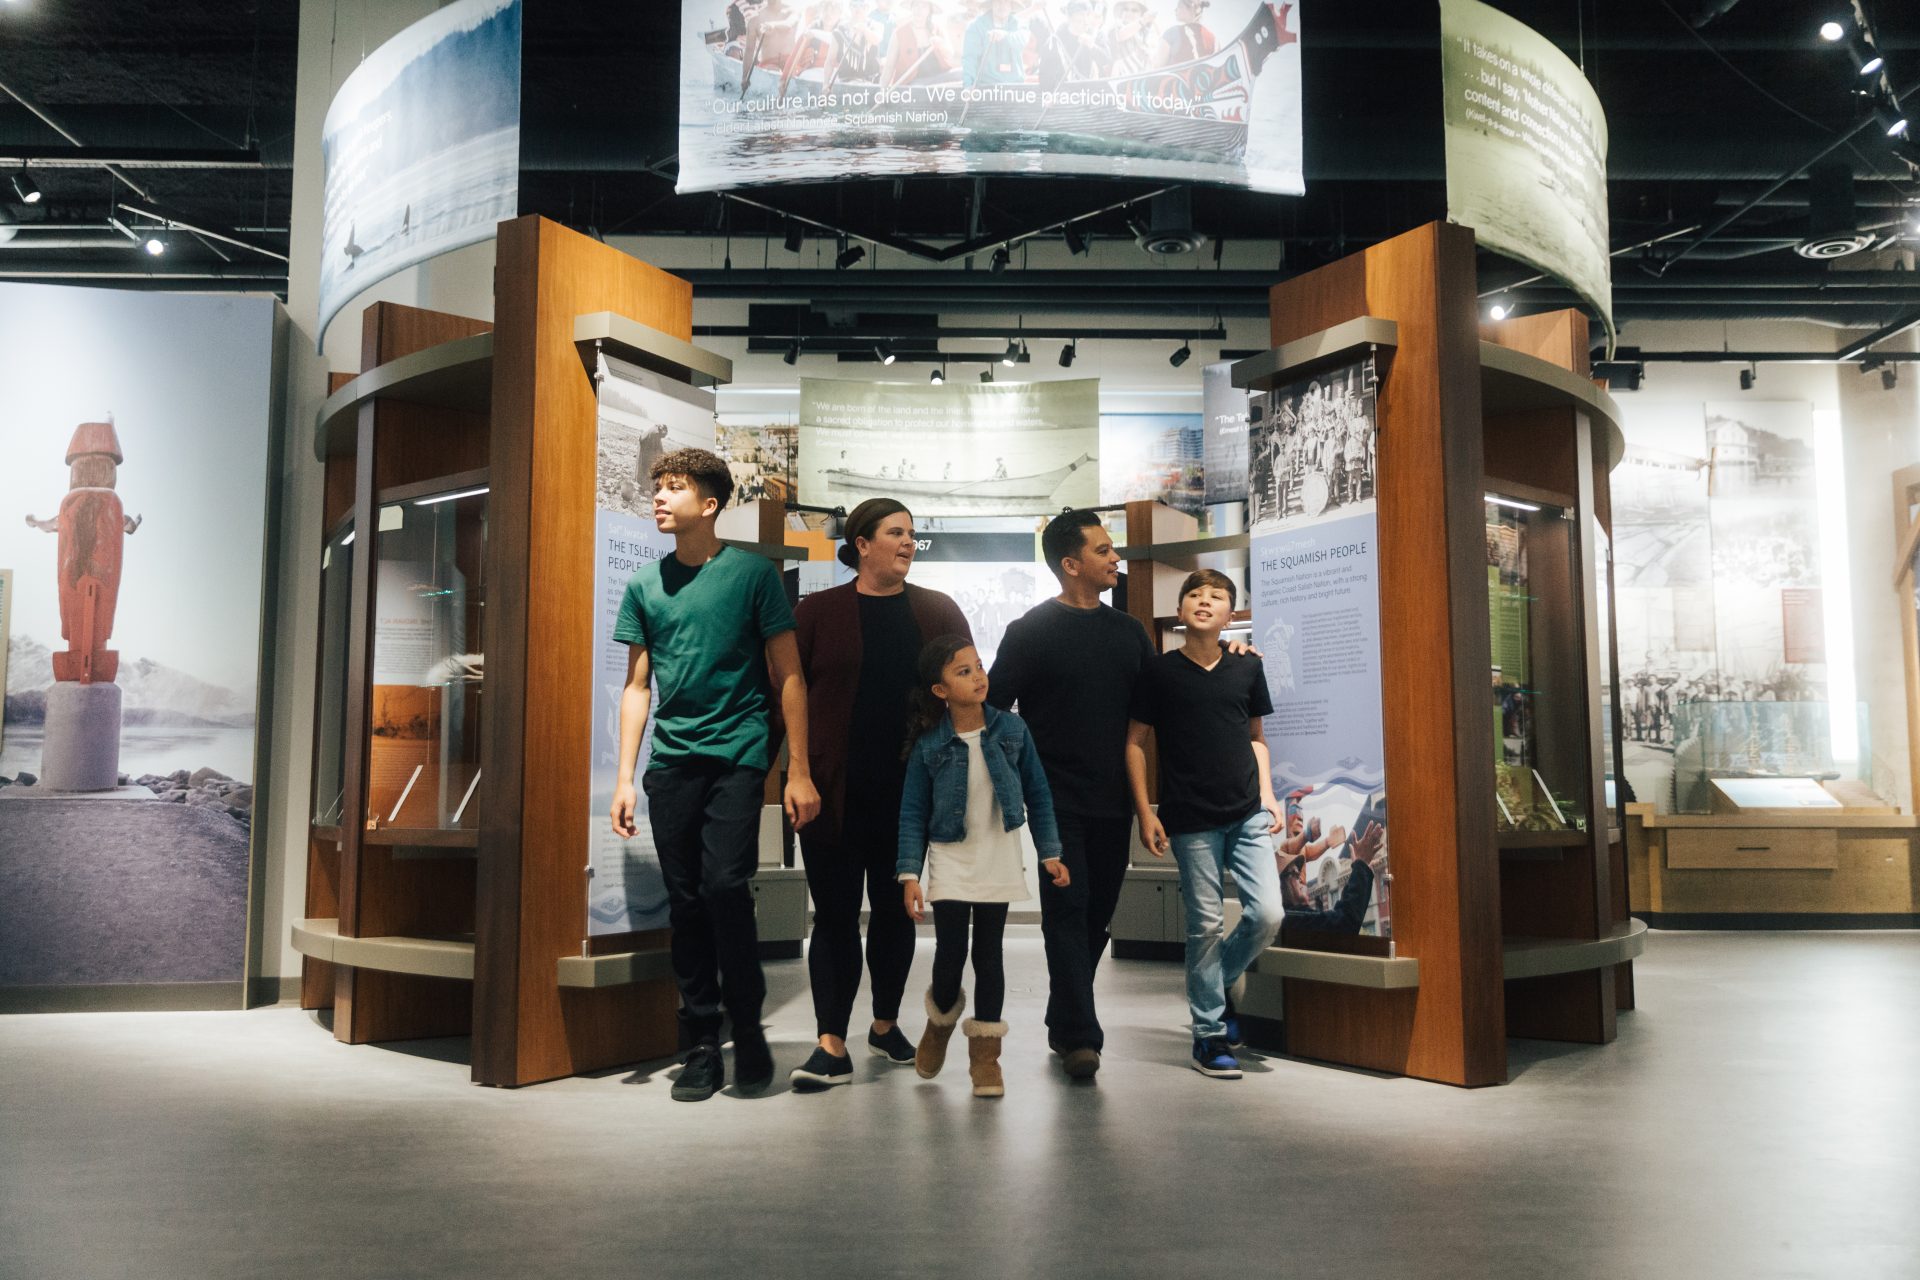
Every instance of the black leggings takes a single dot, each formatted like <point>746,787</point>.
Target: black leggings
<point>950,955</point>
<point>839,872</point>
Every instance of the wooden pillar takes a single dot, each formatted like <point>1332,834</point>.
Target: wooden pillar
<point>1434,658</point>
<point>534,821</point>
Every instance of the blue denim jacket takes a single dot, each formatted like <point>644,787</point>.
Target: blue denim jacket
<point>934,804</point>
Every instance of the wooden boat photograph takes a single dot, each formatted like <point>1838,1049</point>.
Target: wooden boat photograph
<point>1198,110</point>
<point>999,487</point>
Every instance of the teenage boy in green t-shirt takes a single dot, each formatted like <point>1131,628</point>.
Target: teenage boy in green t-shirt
<point>709,622</point>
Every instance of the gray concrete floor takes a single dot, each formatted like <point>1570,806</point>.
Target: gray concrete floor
<point>1759,1116</point>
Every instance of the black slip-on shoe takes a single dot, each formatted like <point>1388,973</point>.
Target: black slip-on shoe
<point>822,1070</point>
<point>891,1045</point>
<point>752,1060</point>
<point>703,1075</point>
<point>1082,1063</point>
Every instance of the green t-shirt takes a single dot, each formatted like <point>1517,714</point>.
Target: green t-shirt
<point>706,631</point>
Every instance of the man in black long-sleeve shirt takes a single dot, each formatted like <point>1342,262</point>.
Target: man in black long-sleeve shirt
<point>1070,665</point>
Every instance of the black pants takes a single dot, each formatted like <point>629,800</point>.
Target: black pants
<point>705,816</point>
<point>950,955</point>
<point>1074,920</point>
<point>839,870</point>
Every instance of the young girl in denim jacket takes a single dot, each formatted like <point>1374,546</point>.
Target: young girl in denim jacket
<point>973,780</point>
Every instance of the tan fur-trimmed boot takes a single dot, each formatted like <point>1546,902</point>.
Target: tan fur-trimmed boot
<point>931,1053</point>
<point>983,1057</point>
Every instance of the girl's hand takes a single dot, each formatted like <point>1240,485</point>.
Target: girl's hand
<point>915,904</point>
<point>1058,870</point>
<point>1153,835</point>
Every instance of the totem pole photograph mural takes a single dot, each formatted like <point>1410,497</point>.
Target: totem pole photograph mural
<point>82,751</point>
<point>134,447</point>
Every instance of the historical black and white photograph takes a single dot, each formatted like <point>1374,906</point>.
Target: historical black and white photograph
<point>642,417</point>
<point>1311,452</point>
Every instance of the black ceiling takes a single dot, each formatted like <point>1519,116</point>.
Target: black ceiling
<point>1703,119</point>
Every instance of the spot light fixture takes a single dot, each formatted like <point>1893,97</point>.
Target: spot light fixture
<point>1500,309</point>
<point>848,255</point>
<point>155,243</point>
<point>1076,243</point>
<point>1068,352</point>
<point>1748,376</point>
<point>937,377</point>
<point>1001,257</point>
<point>793,352</point>
<point>986,375</point>
<point>793,240</point>
<point>1891,118</point>
<point>1866,59</point>
<point>1890,377</point>
<point>1180,357</point>
<point>1833,32</point>
<point>24,187</point>
<point>883,352</point>
<point>1011,356</point>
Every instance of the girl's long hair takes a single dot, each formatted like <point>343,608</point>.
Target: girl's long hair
<point>923,709</point>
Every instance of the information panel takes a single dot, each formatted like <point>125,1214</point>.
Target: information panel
<point>642,416</point>
<point>789,91</point>
<point>1526,149</point>
<point>1314,566</point>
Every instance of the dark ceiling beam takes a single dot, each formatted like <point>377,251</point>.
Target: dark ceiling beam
<point>21,267</point>
<point>53,157</point>
<point>40,114</point>
<point>1860,347</point>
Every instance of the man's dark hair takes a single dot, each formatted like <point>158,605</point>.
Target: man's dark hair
<point>1065,535</point>
<point>1211,578</point>
<point>706,472</point>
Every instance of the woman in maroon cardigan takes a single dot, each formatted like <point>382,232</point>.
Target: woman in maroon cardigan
<point>858,646</point>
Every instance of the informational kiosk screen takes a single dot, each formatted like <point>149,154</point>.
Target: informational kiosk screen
<point>793,91</point>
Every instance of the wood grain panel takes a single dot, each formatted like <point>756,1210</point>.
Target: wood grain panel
<point>1532,447</point>
<point>1547,897</point>
<point>401,1006</point>
<point>1753,849</point>
<point>1356,1026</point>
<point>1575,1007</point>
<point>534,823</point>
<point>1558,337</point>
<point>1877,874</point>
<point>322,902</point>
<point>1435,654</point>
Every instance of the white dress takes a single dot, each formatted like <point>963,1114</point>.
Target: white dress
<point>990,864</point>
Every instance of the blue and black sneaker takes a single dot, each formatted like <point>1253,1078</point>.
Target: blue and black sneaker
<point>1236,991</point>
<point>1212,1057</point>
<point>1234,1038</point>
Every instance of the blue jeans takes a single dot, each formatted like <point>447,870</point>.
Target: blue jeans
<point>1213,963</point>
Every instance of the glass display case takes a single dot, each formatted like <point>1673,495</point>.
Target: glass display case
<point>1539,687</point>
<point>425,710</point>
<point>1729,740</point>
<point>330,737</point>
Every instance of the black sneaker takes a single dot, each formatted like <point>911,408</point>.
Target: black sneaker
<point>891,1045</point>
<point>703,1075</point>
<point>822,1070</point>
<point>752,1060</point>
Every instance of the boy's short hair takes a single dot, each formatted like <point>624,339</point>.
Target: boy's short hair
<point>1211,578</point>
<point>1065,535</point>
<point>706,472</point>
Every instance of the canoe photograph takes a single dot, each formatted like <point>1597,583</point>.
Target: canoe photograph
<point>781,90</point>
<point>997,486</point>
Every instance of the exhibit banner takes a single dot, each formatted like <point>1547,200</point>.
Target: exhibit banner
<point>1314,566</point>
<point>1162,90</point>
<point>1010,448</point>
<point>1223,409</point>
<point>420,151</point>
<point>642,416</point>
<point>6,632</point>
<point>1526,149</point>
<point>137,442</point>
<point>1154,456</point>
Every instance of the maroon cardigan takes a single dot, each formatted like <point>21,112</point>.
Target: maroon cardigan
<point>827,627</point>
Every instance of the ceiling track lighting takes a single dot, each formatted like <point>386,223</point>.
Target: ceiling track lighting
<point>937,377</point>
<point>1011,356</point>
<point>1180,357</point>
<point>24,188</point>
<point>848,255</point>
<point>1500,309</point>
<point>1001,257</point>
<point>1866,59</point>
<point>1891,119</point>
<point>1076,243</point>
<point>792,355</point>
<point>794,236</point>
<point>1748,376</point>
<point>883,352</point>
<point>155,243</point>
<point>1068,352</point>
<point>986,375</point>
<point>1833,32</point>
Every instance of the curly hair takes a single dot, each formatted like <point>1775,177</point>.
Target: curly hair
<point>706,472</point>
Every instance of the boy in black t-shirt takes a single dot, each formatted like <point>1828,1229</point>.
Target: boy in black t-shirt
<point>1217,808</point>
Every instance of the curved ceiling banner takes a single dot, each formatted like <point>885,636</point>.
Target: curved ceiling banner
<point>421,148</point>
<point>809,90</point>
<point>1526,149</point>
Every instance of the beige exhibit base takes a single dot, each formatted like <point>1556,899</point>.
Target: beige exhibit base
<point>82,751</point>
